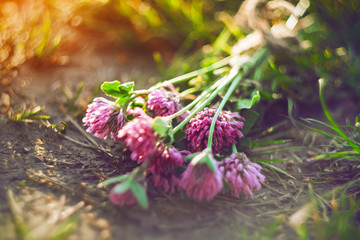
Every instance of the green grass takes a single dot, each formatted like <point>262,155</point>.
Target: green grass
<point>330,216</point>
<point>28,115</point>
<point>346,137</point>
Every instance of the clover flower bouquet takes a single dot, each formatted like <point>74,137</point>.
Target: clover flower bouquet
<point>150,124</point>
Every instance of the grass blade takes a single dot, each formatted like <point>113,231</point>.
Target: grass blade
<point>332,121</point>
<point>278,170</point>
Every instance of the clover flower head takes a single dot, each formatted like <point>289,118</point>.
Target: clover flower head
<point>126,198</point>
<point>139,138</point>
<point>242,174</point>
<point>200,182</point>
<point>166,160</point>
<point>168,182</point>
<point>103,118</point>
<point>226,132</point>
<point>163,103</point>
<point>161,171</point>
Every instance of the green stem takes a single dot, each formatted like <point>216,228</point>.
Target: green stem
<point>193,74</point>
<point>232,88</point>
<point>135,94</point>
<point>198,99</point>
<point>259,56</point>
<point>189,91</point>
<point>225,81</point>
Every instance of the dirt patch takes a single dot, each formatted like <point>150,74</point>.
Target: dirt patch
<point>51,178</point>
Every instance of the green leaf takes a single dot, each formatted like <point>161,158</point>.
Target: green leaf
<point>140,194</point>
<point>126,88</point>
<point>112,89</point>
<point>248,103</point>
<point>250,117</point>
<point>161,125</point>
<point>122,187</point>
<point>122,100</point>
<point>117,90</point>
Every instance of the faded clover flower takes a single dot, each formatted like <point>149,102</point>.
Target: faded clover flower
<point>226,132</point>
<point>200,182</point>
<point>103,118</point>
<point>163,103</point>
<point>126,198</point>
<point>161,171</point>
<point>242,174</point>
<point>139,136</point>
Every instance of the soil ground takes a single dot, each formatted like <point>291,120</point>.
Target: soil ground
<point>49,180</point>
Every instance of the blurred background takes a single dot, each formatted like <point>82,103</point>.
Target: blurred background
<point>182,35</point>
<point>40,29</point>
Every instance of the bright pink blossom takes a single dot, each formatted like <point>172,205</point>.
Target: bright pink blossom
<point>226,132</point>
<point>163,103</point>
<point>242,174</point>
<point>103,118</point>
<point>139,138</point>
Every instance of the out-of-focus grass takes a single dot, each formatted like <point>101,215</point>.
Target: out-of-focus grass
<point>36,29</point>
<point>328,38</point>
<point>331,216</point>
<point>346,137</point>
<point>28,115</point>
<point>31,30</point>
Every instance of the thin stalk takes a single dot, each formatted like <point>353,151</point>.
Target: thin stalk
<point>227,79</point>
<point>258,57</point>
<point>135,94</point>
<point>198,99</point>
<point>346,154</point>
<point>189,91</point>
<point>222,104</point>
<point>200,102</point>
<point>193,74</point>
